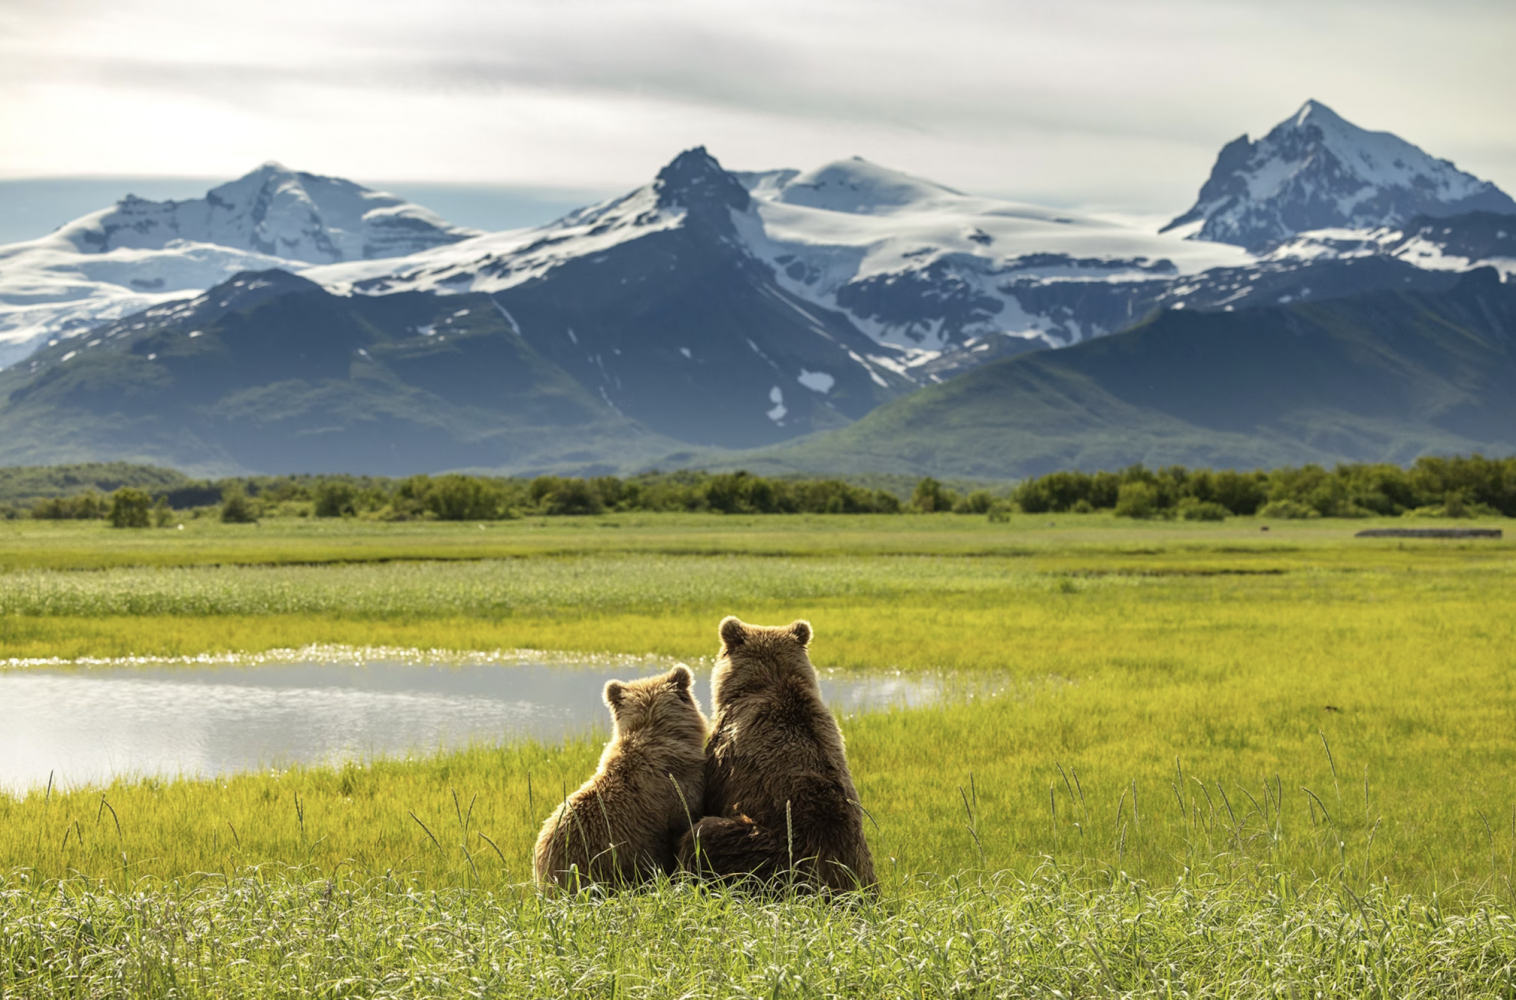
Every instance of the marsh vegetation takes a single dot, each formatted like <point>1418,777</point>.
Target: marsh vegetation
<point>1201,757</point>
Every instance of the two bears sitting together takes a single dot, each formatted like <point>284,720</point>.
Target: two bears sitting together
<point>763,793</point>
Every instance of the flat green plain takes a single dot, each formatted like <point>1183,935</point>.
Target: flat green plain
<point>1204,712</point>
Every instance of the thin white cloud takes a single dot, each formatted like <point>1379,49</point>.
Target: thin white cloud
<point>1104,101</point>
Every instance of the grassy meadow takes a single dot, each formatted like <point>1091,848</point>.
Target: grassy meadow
<point>1182,759</point>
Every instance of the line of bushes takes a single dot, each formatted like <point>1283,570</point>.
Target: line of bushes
<point>1447,487</point>
<point>456,497</point>
<point>1443,487</point>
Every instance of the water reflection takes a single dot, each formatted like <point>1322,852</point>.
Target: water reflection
<point>88,726</point>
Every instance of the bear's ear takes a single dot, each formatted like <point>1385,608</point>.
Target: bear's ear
<point>613,693</point>
<point>733,632</point>
<point>801,630</point>
<point>681,677</point>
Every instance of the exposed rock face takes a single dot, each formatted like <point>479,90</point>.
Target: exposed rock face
<point>1316,170</point>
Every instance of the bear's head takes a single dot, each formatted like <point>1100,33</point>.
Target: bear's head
<point>758,657</point>
<point>664,702</point>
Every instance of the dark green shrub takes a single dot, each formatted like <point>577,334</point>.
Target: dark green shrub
<point>1191,509</point>
<point>930,495</point>
<point>236,508</point>
<point>1287,510</point>
<point>461,498</point>
<point>1137,499</point>
<point>84,507</point>
<point>571,496</point>
<point>130,508</point>
<point>335,498</point>
<point>977,502</point>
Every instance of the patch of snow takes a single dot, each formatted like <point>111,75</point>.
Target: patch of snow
<point>816,381</point>
<point>776,396</point>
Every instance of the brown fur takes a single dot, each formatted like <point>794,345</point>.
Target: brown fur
<point>779,796</point>
<point>620,827</point>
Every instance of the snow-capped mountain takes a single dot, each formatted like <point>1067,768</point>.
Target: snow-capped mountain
<point>705,308</point>
<point>1316,170</point>
<point>918,280</point>
<point>276,212</point>
<point>139,253</point>
<point>920,270</point>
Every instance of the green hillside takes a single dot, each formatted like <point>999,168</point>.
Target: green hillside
<point>1381,377</point>
<point>25,484</point>
<point>270,373</point>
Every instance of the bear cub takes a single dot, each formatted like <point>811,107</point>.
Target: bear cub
<point>779,797</point>
<point>621,826</point>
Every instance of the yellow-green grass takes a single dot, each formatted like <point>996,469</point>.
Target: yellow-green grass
<point>266,936</point>
<point>1094,677</point>
<point>1063,541</point>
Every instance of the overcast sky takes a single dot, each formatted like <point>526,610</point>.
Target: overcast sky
<point>1108,103</point>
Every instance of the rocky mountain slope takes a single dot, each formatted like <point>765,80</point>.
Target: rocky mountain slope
<point>1315,170</point>
<point>920,271</point>
<point>270,371</point>
<point>1382,376</point>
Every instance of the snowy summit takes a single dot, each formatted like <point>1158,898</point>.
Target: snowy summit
<point>138,253</point>
<point>273,211</point>
<point>1316,170</point>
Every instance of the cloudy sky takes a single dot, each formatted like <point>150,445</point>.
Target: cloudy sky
<point>1108,103</point>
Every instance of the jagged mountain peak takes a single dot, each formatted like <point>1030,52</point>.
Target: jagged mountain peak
<point>696,180</point>
<point>1315,111</point>
<point>1317,170</point>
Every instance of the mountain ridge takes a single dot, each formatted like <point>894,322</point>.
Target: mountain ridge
<point>270,371</point>
<point>1316,170</point>
<point>274,211</point>
<point>140,253</point>
<point>704,311</point>
<point>1382,376</point>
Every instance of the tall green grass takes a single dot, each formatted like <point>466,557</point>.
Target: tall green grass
<point>265,934</point>
<point>1322,722</point>
<point>1295,710</point>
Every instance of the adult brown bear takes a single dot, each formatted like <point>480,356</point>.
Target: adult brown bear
<point>779,799</point>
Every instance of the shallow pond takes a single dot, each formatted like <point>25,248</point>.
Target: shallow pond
<point>85,726</point>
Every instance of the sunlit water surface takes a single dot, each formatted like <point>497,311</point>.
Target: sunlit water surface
<point>87,726</point>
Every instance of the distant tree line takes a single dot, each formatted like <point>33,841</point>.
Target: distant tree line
<point>1454,487</point>
<point>1447,487</point>
<point>457,497</point>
